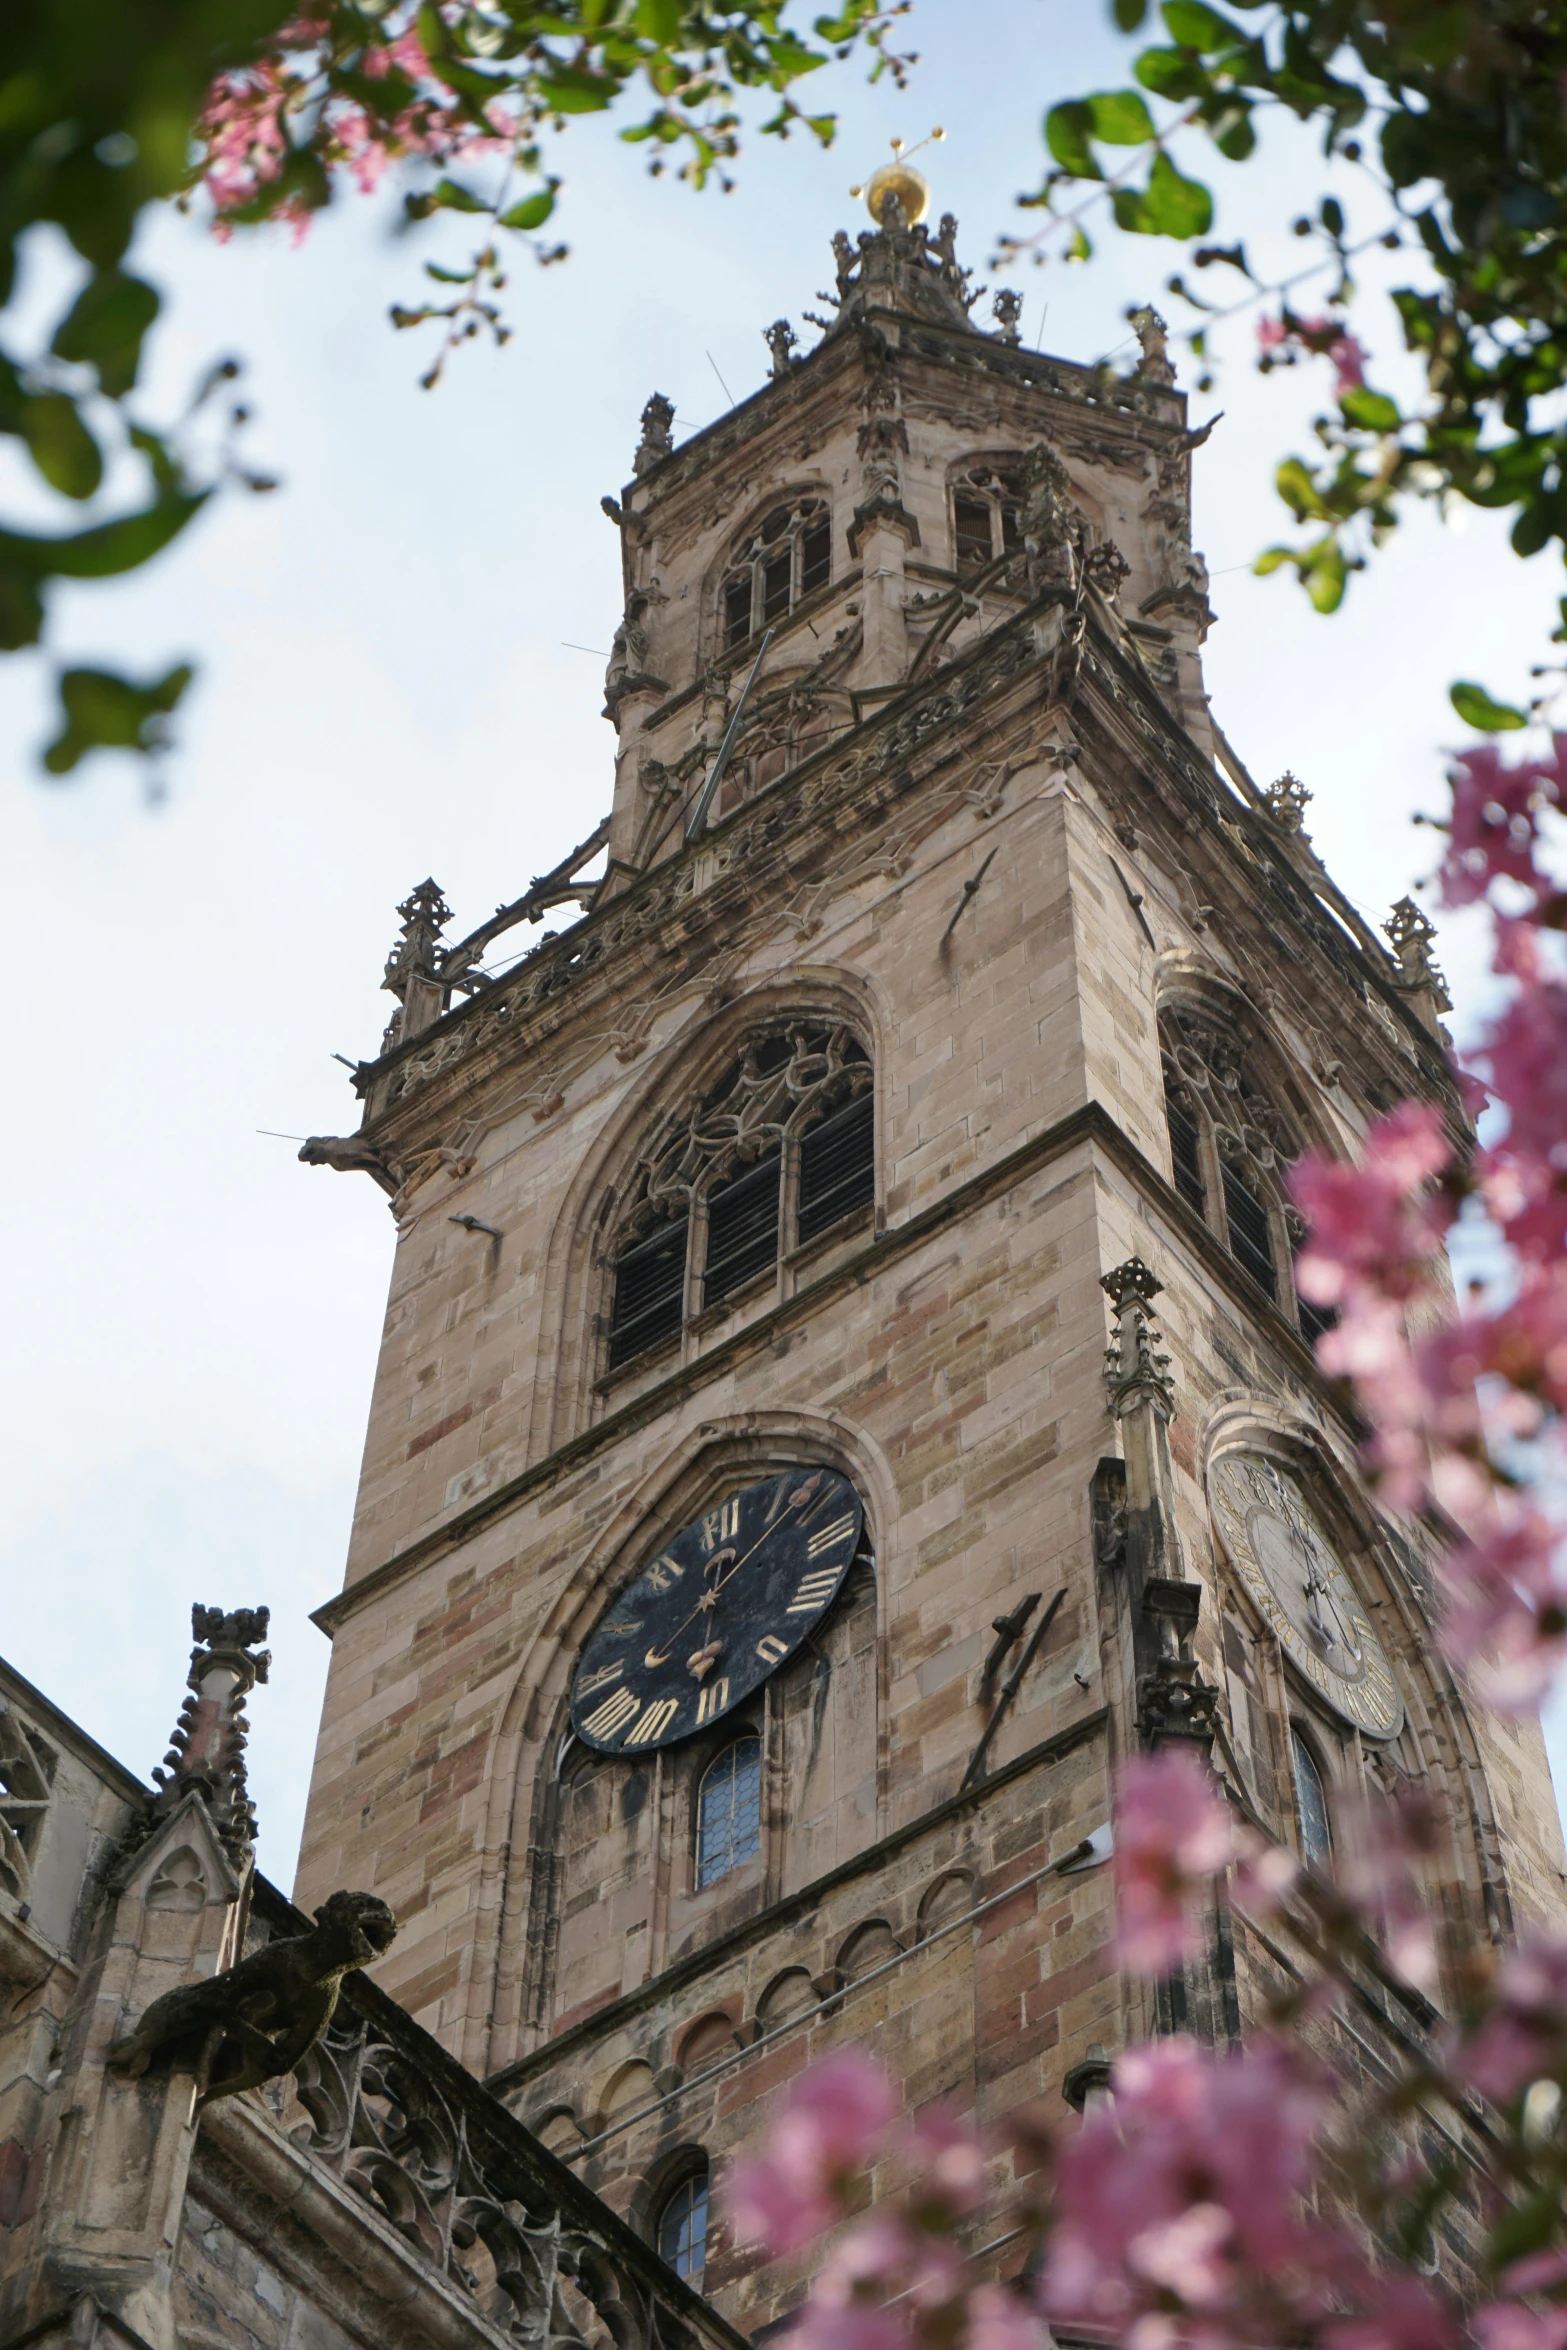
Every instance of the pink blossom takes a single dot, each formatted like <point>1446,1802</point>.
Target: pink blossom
<point>1376,1221</point>
<point>1172,1834</point>
<point>951,2162</point>
<point>1525,1052</point>
<point>1326,336</point>
<point>1399,2312</point>
<point>1525,2033</point>
<point>1507,2325</point>
<point>1187,2188</point>
<point>1494,828</point>
<point>830,2128</point>
<point>1506,1617</point>
<point>998,2320</point>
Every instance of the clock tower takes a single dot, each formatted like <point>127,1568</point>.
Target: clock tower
<point>843,1385</point>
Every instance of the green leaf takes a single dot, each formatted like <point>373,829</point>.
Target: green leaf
<point>659,20</point>
<point>1170,205</point>
<point>1078,246</point>
<point>1372,411</point>
<point>1271,559</point>
<point>1121,118</point>
<point>105,712</point>
<point>1068,129</point>
<point>574,89</point>
<point>21,606</point>
<point>1170,74</point>
<point>1296,487</point>
<point>1199,27</point>
<point>1129,14</point>
<point>1476,708</point>
<point>1325,574</point>
<point>60,444</point>
<point>452,196</point>
<point>449,277</point>
<point>532,212</point>
<point>1233,133</point>
<point>113,547</point>
<point>1333,216</point>
<point>104,328</point>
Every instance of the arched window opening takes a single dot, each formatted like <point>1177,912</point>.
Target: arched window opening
<point>650,1290</point>
<point>729,1812</point>
<point>986,508</point>
<point>787,558</point>
<point>1228,1152</point>
<point>681,2229</point>
<point>1311,1804</point>
<point>780,1153</point>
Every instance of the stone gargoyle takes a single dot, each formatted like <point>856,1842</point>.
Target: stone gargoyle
<point>267,2010</point>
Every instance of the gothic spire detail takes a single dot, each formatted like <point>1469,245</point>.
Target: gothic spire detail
<point>206,1754</point>
<point>900,268</point>
<point>1135,1372</point>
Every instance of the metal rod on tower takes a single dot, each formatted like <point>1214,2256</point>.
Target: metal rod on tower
<point>707,794</point>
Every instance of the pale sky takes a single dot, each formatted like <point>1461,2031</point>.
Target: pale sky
<point>386,693</point>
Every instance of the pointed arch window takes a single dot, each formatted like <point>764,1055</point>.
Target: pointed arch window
<point>987,506</point>
<point>778,1155</point>
<point>1228,1152</point>
<point>785,559</point>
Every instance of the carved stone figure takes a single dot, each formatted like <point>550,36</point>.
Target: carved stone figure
<point>1007,309</point>
<point>658,437</point>
<point>1047,520</point>
<point>1149,328</point>
<point>781,339</point>
<point>270,2008</point>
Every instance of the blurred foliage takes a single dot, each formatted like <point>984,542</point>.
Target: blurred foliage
<point>1452,112</point>
<point>262,110</point>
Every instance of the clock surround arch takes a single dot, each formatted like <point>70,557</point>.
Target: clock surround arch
<point>517,1884</point>
<point>1436,1741</point>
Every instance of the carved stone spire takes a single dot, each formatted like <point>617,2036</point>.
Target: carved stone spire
<point>658,437</point>
<point>1154,366</point>
<point>1135,1372</point>
<point>1287,801</point>
<point>901,268</point>
<point>206,1754</point>
<point>412,971</point>
<point>1410,932</point>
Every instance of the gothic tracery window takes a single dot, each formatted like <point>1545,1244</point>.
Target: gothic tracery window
<point>986,509</point>
<point>785,559</point>
<point>1228,1152</point>
<point>782,1151</point>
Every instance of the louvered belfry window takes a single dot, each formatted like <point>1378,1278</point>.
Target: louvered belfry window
<point>785,559</point>
<point>779,1154</point>
<point>1229,1149</point>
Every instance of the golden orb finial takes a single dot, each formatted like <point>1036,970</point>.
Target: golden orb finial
<point>898,178</point>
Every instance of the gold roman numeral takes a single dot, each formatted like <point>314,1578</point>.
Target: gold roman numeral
<point>722,1524</point>
<point>771,1649</point>
<point>711,1702</point>
<point>814,1589</point>
<point>654,1722</point>
<point>599,1680</point>
<point>663,1572</point>
<point>829,1536</point>
<point>612,1715</point>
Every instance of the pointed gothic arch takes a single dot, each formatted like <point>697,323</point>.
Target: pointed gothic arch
<point>1238,1116</point>
<point>576,1272</point>
<point>521,1883</point>
<point>1436,1747</point>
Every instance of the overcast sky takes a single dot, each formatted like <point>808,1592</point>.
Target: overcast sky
<point>385,692</point>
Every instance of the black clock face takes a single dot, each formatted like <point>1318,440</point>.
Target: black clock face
<point>719,1609</point>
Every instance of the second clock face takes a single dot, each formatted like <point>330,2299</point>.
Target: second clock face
<point>1299,1582</point>
<point>722,1606</point>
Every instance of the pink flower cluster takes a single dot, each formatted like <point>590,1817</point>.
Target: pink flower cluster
<point>897,2280</point>
<point>1451,1401</point>
<point>1180,2205</point>
<point>1172,1838</point>
<point>1283,336</point>
<point>290,100</point>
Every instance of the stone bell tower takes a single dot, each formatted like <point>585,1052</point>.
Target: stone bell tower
<point>897,1134</point>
